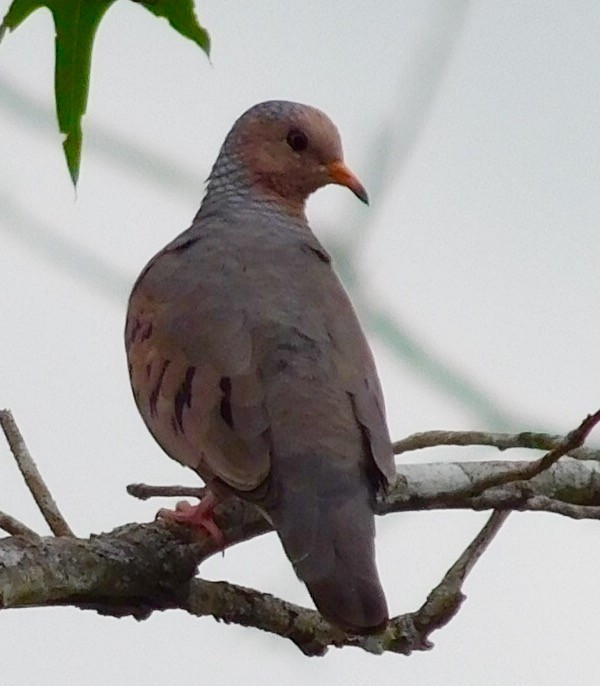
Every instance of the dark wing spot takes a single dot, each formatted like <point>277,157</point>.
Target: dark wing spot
<point>183,397</point>
<point>133,329</point>
<point>225,385</point>
<point>156,389</point>
<point>147,332</point>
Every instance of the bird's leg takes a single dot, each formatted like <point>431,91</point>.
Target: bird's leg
<point>200,516</point>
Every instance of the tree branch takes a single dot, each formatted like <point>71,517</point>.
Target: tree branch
<point>528,470</point>
<point>457,486</point>
<point>139,568</point>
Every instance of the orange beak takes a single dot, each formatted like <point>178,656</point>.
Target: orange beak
<point>340,174</point>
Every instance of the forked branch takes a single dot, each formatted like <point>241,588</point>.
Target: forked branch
<point>140,568</point>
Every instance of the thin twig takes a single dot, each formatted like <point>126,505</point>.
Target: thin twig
<point>456,575</point>
<point>502,441</point>
<point>33,478</point>
<point>445,599</point>
<point>145,491</point>
<point>14,527</point>
<point>541,503</point>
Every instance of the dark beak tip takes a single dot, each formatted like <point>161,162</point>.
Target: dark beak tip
<point>362,196</point>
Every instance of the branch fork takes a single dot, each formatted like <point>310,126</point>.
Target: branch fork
<point>139,568</point>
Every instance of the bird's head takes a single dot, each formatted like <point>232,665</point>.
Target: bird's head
<point>288,151</point>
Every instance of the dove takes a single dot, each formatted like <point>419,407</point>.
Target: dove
<point>249,366</point>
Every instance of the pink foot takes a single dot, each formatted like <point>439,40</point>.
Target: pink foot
<point>200,516</point>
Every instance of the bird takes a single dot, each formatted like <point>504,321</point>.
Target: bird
<point>248,363</point>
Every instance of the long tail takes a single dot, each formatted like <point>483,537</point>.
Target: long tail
<point>323,514</point>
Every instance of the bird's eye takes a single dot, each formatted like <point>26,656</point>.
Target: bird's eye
<point>297,140</point>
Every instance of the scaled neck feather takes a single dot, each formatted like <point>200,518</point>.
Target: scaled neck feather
<point>230,186</point>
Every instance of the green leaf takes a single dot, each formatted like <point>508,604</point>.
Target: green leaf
<point>75,32</point>
<point>180,14</point>
<point>18,12</point>
<point>76,22</point>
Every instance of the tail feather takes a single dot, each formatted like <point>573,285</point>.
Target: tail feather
<point>324,517</point>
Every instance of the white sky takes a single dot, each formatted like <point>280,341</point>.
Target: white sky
<point>485,244</point>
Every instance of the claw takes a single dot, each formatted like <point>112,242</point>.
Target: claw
<point>200,516</point>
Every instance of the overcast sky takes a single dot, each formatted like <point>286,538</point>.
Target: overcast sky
<point>482,242</point>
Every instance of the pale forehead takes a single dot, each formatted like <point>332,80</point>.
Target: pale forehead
<point>283,110</point>
<point>290,114</point>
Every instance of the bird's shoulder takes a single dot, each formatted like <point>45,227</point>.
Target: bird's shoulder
<point>217,258</point>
